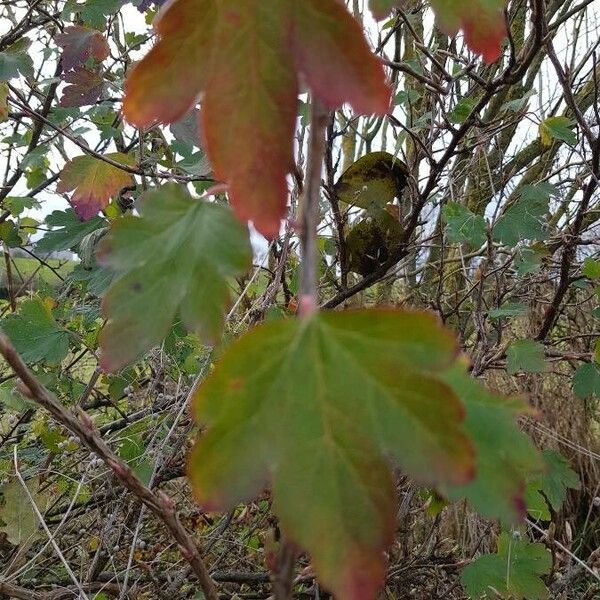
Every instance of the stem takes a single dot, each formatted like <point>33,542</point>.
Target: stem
<point>82,426</point>
<point>309,220</point>
<point>309,299</point>
<point>283,579</point>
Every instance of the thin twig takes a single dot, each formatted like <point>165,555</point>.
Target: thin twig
<point>83,427</point>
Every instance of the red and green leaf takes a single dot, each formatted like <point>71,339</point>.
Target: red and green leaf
<point>247,58</point>
<point>482,22</point>
<point>93,182</point>
<point>323,402</point>
<point>81,43</point>
<point>505,456</point>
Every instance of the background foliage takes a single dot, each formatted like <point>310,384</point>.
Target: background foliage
<point>474,196</point>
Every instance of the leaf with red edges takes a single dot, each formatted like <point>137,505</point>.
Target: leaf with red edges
<point>331,399</point>
<point>247,58</point>
<point>498,490</point>
<point>80,43</point>
<point>94,181</point>
<point>482,22</point>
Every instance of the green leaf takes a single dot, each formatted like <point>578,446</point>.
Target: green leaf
<point>9,234</point>
<point>514,571</point>
<point>558,477</point>
<point>17,204</point>
<point>551,486</point>
<point>518,104</point>
<point>175,259</point>
<point>526,218</point>
<point>537,507</point>
<point>525,356</point>
<point>586,381</point>
<point>12,399</point>
<point>464,107</point>
<point>133,451</point>
<point>35,334</point>
<point>373,181</point>
<point>463,226</point>
<point>333,397</point>
<point>20,520</point>
<point>69,232</point>
<point>505,456</point>
<point>408,96</point>
<point>98,279</point>
<point>93,12</point>
<point>591,268</point>
<point>15,61</point>
<point>557,128</point>
<point>510,309</point>
<point>528,260</point>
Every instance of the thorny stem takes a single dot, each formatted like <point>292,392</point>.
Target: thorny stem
<point>83,427</point>
<point>309,210</point>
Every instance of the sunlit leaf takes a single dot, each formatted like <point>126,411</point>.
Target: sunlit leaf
<point>213,47</point>
<point>331,398</point>
<point>180,244</point>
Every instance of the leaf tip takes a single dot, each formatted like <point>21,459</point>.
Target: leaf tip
<point>106,364</point>
<point>85,208</point>
<point>362,578</point>
<point>486,41</point>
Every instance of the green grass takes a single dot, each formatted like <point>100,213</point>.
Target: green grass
<point>24,268</point>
